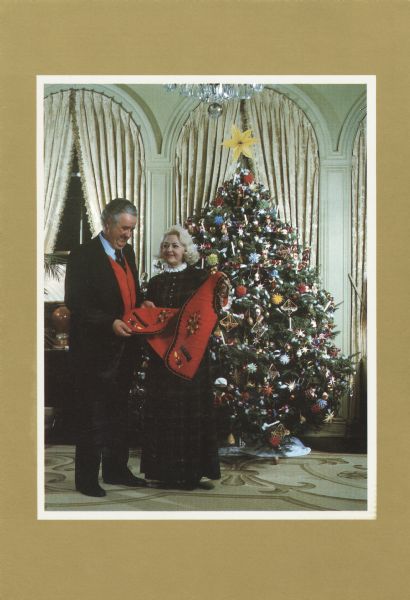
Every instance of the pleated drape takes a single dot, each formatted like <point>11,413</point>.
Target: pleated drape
<point>202,164</point>
<point>111,156</point>
<point>58,153</point>
<point>359,242</point>
<point>287,161</point>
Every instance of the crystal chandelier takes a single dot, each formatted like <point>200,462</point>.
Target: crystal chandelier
<point>216,92</point>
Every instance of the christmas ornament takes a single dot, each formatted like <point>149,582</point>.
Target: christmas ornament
<point>228,322</point>
<point>247,177</point>
<point>240,291</point>
<point>241,142</point>
<point>329,416</point>
<point>274,440</point>
<point>277,299</point>
<point>254,257</point>
<point>284,359</point>
<point>231,440</point>
<point>302,288</point>
<point>215,110</point>
<point>212,260</point>
<point>289,308</point>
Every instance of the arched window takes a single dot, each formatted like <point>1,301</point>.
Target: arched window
<point>111,158</point>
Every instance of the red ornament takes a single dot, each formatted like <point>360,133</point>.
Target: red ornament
<point>267,390</point>
<point>302,288</point>
<point>241,291</point>
<point>248,179</point>
<point>218,201</point>
<point>274,441</point>
<point>315,408</point>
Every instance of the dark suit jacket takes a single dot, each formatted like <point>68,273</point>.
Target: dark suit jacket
<point>93,296</point>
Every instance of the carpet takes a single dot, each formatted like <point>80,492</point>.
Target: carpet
<point>319,481</point>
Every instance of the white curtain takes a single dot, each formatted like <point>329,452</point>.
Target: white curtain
<point>202,164</point>
<point>111,156</point>
<point>359,251</point>
<point>58,152</point>
<point>287,161</point>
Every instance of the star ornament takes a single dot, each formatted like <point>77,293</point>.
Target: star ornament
<point>241,142</point>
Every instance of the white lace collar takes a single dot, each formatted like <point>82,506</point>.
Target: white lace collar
<point>176,269</point>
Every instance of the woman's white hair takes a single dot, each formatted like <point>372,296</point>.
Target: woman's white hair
<point>191,254</point>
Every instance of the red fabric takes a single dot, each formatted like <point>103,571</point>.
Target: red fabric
<point>126,283</point>
<point>180,336</point>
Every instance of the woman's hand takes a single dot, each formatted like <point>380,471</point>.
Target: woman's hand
<point>121,329</point>
<point>147,304</point>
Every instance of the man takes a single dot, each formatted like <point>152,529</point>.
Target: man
<point>101,286</point>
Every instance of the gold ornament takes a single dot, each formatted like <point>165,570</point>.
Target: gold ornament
<point>231,440</point>
<point>193,323</point>
<point>272,372</point>
<point>277,299</point>
<point>241,142</point>
<point>228,322</point>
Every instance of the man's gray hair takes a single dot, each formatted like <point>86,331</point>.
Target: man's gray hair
<point>114,208</point>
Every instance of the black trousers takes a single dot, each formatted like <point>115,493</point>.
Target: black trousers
<point>102,410</point>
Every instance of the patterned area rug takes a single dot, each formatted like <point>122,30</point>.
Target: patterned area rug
<point>320,481</point>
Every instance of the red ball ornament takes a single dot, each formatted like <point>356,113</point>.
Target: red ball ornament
<point>241,291</point>
<point>218,201</point>
<point>302,288</point>
<point>248,178</point>
<point>315,408</point>
<point>274,441</point>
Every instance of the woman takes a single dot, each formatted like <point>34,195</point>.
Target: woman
<point>180,442</point>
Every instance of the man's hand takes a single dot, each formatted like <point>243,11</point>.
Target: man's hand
<point>147,304</point>
<point>121,329</point>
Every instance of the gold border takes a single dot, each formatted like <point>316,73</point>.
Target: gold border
<point>304,560</point>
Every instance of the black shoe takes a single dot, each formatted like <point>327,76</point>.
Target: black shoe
<point>91,490</point>
<point>129,480</point>
<point>206,485</point>
<point>187,485</point>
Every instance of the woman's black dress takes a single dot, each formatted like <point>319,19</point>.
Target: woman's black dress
<point>179,440</point>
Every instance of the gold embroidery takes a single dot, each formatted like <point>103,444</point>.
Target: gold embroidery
<point>193,323</point>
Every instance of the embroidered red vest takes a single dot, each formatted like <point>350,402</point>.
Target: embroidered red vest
<point>180,335</point>
<point>126,283</point>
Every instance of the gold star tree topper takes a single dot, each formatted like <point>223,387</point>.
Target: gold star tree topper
<point>241,142</point>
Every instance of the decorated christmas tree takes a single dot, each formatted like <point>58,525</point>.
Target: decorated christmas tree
<point>276,366</point>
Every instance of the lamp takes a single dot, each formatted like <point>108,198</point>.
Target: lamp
<point>216,92</point>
